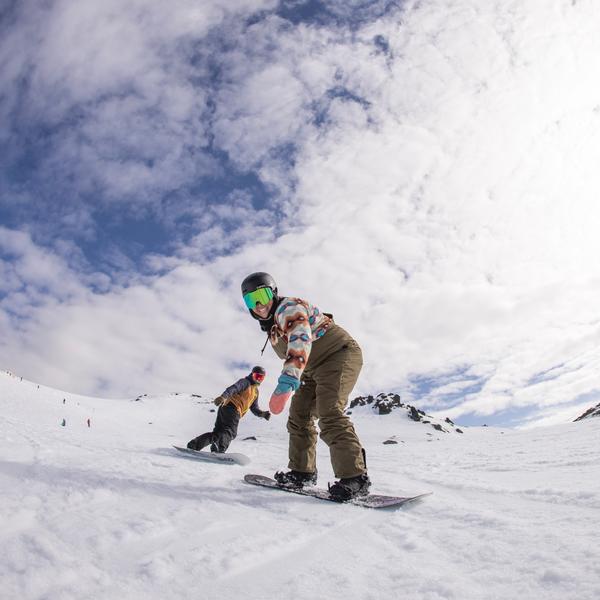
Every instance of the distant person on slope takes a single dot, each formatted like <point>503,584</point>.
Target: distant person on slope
<point>321,365</point>
<point>233,404</point>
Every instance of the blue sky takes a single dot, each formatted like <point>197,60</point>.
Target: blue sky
<point>115,226</point>
<point>424,171</point>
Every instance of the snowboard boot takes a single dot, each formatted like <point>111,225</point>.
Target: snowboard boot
<point>350,487</point>
<point>295,479</point>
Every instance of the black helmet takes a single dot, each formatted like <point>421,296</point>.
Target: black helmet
<point>257,375</point>
<point>258,280</point>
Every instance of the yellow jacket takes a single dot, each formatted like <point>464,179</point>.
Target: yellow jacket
<point>243,394</point>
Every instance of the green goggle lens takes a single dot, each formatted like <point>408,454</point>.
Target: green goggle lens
<point>260,296</point>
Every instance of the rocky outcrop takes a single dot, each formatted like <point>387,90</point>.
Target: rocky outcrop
<point>384,404</point>
<point>591,412</point>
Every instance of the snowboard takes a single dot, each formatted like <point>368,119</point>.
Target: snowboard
<point>228,458</point>
<point>370,501</point>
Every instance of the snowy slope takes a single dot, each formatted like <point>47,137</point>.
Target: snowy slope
<point>110,511</point>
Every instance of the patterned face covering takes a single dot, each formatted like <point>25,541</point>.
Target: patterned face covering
<point>260,296</point>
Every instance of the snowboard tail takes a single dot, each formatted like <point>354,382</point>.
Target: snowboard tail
<point>228,458</point>
<point>369,501</point>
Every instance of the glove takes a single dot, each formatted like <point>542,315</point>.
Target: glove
<point>266,415</point>
<point>286,386</point>
<point>219,400</point>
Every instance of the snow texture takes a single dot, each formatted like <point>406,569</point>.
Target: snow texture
<point>110,510</point>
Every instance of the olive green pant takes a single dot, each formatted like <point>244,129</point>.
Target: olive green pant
<point>330,375</point>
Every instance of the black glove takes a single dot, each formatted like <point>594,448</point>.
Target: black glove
<point>266,415</point>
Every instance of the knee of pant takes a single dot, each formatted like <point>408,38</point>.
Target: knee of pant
<point>331,410</point>
<point>331,436</point>
<point>295,426</point>
<point>333,428</point>
<point>334,421</point>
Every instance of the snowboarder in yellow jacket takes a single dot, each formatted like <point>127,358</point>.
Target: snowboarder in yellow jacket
<point>233,404</point>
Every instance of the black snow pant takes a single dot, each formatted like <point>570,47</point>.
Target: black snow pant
<point>224,432</point>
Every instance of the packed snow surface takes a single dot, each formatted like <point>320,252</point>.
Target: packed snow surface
<point>112,511</point>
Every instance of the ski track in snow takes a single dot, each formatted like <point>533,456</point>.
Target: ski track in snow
<point>112,511</point>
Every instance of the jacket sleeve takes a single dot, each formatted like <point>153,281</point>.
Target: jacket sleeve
<point>293,319</point>
<point>238,387</point>
<point>255,408</point>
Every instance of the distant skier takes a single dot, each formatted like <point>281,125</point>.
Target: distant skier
<point>233,404</point>
<point>89,423</point>
<point>64,423</point>
<point>321,366</point>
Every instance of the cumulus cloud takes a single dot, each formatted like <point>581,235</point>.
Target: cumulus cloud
<point>107,104</point>
<point>426,172</point>
<point>182,331</point>
<point>28,268</point>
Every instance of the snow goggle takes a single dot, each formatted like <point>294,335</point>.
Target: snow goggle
<point>260,296</point>
<point>258,377</point>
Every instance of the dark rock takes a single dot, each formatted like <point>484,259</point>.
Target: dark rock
<point>458,430</point>
<point>250,437</point>
<point>414,414</point>
<point>390,442</point>
<point>590,412</point>
<point>383,403</point>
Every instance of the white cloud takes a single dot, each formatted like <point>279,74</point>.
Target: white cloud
<point>122,104</point>
<point>176,332</point>
<point>33,270</point>
<point>273,91</point>
<point>446,212</point>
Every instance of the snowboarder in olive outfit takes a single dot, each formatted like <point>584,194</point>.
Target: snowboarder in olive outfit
<point>233,404</point>
<point>321,365</point>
